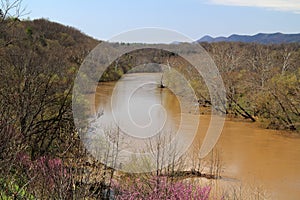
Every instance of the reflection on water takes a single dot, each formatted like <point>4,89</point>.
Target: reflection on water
<point>138,109</point>
<point>249,153</point>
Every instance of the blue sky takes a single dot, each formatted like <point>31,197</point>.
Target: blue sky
<point>103,19</point>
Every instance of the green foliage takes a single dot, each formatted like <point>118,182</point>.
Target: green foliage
<point>262,81</point>
<point>280,103</point>
<point>10,190</point>
<point>29,31</point>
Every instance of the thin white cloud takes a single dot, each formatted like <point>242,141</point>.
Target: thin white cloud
<point>281,5</point>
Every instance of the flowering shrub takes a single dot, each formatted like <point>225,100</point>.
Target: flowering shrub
<point>159,188</point>
<point>49,168</point>
<point>48,174</point>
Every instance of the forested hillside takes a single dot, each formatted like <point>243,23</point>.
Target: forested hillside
<point>39,61</point>
<point>260,38</point>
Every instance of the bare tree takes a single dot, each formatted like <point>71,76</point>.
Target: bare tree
<point>11,9</point>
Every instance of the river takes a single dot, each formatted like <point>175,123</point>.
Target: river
<point>251,155</point>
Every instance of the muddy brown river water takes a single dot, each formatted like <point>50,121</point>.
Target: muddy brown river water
<point>250,154</point>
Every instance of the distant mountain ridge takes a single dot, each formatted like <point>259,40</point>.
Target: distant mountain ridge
<point>262,38</point>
